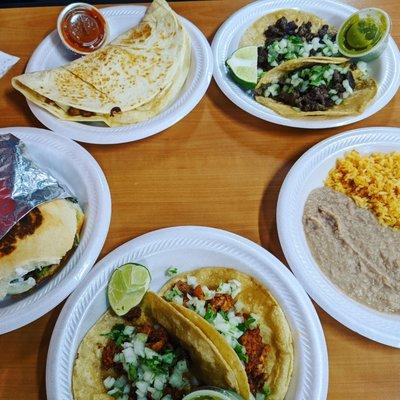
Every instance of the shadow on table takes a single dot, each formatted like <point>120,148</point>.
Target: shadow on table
<point>43,350</point>
<point>240,119</point>
<point>267,214</point>
<point>18,102</point>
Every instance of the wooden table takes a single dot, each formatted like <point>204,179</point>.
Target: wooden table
<point>217,167</point>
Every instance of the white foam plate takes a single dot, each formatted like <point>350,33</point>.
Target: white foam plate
<point>51,53</point>
<point>189,248</point>
<point>308,173</point>
<point>385,70</point>
<point>75,168</point>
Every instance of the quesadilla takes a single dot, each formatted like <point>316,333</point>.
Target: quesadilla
<point>316,87</point>
<point>244,321</point>
<point>289,34</point>
<point>153,352</point>
<point>129,80</point>
<point>36,247</point>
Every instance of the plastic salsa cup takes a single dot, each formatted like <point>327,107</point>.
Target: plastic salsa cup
<point>82,28</point>
<point>365,34</point>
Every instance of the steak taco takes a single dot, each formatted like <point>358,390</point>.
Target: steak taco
<point>38,245</point>
<point>288,34</point>
<point>244,321</point>
<point>316,86</point>
<point>153,352</point>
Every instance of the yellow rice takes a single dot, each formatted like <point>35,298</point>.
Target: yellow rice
<point>372,181</point>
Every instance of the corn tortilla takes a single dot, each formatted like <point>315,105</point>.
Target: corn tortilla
<point>273,326</point>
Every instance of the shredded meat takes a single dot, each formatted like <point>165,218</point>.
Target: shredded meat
<point>107,358</point>
<point>74,112</point>
<point>222,302</point>
<point>183,287</point>
<point>256,351</point>
<point>157,337</point>
<point>198,292</point>
<point>133,314</point>
<point>145,328</point>
<point>186,289</point>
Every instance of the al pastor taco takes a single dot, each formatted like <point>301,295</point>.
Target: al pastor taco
<point>316,87</point>
<point>241,317</point>
<point>289,34</point>
<point>154,352</point>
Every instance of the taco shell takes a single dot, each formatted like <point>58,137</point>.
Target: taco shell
<point>208,364</point>
<point>273,325</point>
<point>254,35</point>
<point>365,90</point>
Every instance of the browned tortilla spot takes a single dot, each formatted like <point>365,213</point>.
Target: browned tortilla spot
<point>25,227</point>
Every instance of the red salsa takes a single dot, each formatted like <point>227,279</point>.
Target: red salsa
<point>84,29</point>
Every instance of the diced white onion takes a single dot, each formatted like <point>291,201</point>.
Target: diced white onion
<point>130,356</point>
<point>128,330</point>
<point>192,281</point>
<point>109,382</point>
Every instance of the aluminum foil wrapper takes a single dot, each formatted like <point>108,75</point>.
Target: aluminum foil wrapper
<point>23,184</point>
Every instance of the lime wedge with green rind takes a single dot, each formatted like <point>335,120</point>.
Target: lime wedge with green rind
<point>242,66</point>
<point>127,286</point>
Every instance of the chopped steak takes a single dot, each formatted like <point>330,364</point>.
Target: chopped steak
<point>296,35</point>
<point>280,29</point>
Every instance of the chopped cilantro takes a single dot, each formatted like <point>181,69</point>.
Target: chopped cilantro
<point>172,271</point>
<point>155,365</point>
<point>132,372</point>
<point>115,392</point>
<point>224,315</point>
<point>266,389</point>
<point>168,357</point>
<point>210,314</point>
<point>246,324</point>
<point>241,352</point>
<point>43,272</point>
<point>172,293</point>
<point>117,334</point>
<point>295,39</point>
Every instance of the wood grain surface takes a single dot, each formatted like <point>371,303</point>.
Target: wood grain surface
<point>217,167</point>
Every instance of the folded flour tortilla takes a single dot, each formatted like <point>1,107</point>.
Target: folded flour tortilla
<point>129,80</point>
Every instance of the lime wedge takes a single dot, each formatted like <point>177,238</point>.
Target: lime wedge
<point>127,286</point>
<point>243,66</point>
